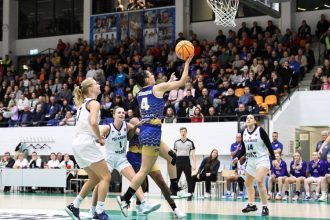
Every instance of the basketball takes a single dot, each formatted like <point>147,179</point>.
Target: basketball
<point>184,49</point>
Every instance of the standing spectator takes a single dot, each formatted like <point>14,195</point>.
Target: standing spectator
<point>9,163</point>
<point>208,171</point>
<point>322,26</point>
<point>276,145</point>
<point>295,67</point>
<point>325,38</point>
<point>285,72</point>
<point>271,28</point>
<point>236,148</point>
<point>309,53</point>
<point>304,31</point>
<point>324,135</point>
<point>325,182</point>
<point>184,147</point>
<point>255,30</point>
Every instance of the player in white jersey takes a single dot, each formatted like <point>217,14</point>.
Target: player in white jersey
<point>257,148</point>
<point>85,149</point>
<point>117,134</point>
<point>238,177</point>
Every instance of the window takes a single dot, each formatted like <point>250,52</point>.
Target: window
<point>42,18</point>
<point>200,11</point>
<point>303,5</point>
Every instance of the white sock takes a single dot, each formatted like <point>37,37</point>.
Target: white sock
<point>308,194</point>
<point>99,207</point>
<point>77,201</point>
<point>93,209</point>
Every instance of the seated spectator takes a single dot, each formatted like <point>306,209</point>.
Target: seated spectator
<point>67,164</point>
<point>53,108</point>
<point>68,120</point>
<point>316,82</point>
<point>238,177</point>
<point>182,113</point>
<point>59,157</point>
<point>326,67</point>
<point>212,115</point>
<point>325,83</point>
<point>244,99</point>
<point>169,116</point>
<point>252,106</point>
<point>38,117</point>
<point>25,118</point>
<point>175,96</point>
<point>35,161</point>
<point>278,174</point>
<point>197,116</point>
<point>22,102</point>
<point>263,88</point>
<point>207,171</point>
<point>53,163</point>
<point>298,169</point>
<point>316,169</point>
<point>12,113</point>
<point>275,84</point>
<point>21,162</point>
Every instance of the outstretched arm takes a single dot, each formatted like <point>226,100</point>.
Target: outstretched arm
<point>161,88</point>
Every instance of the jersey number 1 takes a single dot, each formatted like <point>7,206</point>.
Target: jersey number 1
<point>144,104</point>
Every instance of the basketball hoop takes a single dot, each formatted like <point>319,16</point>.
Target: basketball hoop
<point>225,11</point>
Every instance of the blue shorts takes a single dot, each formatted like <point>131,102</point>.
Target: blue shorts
<point>150,135</point>
<point>135,160</point>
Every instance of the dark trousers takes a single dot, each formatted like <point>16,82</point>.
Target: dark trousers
<point>183,165</point>
<point>240,181</point>
<point>207,179</point>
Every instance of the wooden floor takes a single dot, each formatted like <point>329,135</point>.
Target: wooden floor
<point>21,206</point>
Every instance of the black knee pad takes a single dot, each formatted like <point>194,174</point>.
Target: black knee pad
<point>173,155</point>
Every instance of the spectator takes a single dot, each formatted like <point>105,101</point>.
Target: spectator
<point>68,165</point>
<point>53,163</point>
<point>21,162</point>
<point>302,60</point>
<point>9,163</point>
<point>25,118</point>
<point>68,120</point>
<point>38,117</point>
<point>324,135</point>
<point>277,146</point>
<point>212,115</point>
<point>244,99</point>
<point>322,26</point>
<point>236,148</point>
<point>53,108</point>
<point>304,31</point>
<point>309,53</point>
<point>316,80</point>
<point>65,94</point>
<point>325,83</point>
<point>278,174</point>
<point>59,157</point>
<point>35,161</point>
<point>326,67</point>
<point>286,73</point>
<point>120,6</point>
<point>22,102</point>
<point>325,38</point>
<point>197,116</point>
<point>271,28</point>
<point>255,30</point>
<point>205,101</point>
<point>208,171</point>
<point>169,116</point>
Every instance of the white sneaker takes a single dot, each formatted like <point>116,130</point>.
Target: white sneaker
<point>145,208</point>
<point>179,214</point>
<point>323,198</point>
<point>295,198</point>
<point>207,195</point>
<point>123,205</point>
<point>285,198</point>
<point>91,213</point>
<point>183,194</point>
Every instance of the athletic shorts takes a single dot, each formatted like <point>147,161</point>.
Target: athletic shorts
<point>255,163</point>
<point>315,179</point>
<point>116,162</point>
<point>135,159</point>
<point>86,151</point>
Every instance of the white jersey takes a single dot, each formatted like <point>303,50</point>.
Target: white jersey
<point>83,125</point>
<point>241,168</point>
<point>116,142</point>
<point>254,145</point>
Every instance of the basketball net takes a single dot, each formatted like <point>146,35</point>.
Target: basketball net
<point>225,11</point>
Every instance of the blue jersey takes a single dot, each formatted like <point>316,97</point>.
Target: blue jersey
<point>327,168</point>
<point>317,170</point>
<point>281,171</point>
<point>151,108</point>
<point>298,170</point>
<point>134,154</point>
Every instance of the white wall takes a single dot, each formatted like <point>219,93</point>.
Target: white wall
<point>23,46</point>
<point>306,108</point>
<point>311,17</point>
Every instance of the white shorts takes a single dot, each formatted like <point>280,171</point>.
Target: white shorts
<point>255,163</point>
<point>116,162</point>
<point>86,151</point>
<point>315,179</point>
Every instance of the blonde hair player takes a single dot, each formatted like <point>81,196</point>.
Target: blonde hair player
<point>117,134</point>
<point>85,149</point>
<point>257,147</point>
<point>151,104</point>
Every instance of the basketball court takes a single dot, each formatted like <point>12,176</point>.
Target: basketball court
<point>21,206</point>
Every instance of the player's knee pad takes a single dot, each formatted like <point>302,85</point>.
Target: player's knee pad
<point>173,155</point>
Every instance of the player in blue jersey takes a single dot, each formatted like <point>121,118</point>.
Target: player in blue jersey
<point>298,169</point>
<point>151,103</point>
<point>316,168</point>
<point>134,157</point>
<point>278,174</point>
<point>325,181</point>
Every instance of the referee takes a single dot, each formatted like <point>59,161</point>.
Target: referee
<point>183,147</point>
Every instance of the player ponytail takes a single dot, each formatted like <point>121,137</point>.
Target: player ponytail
<point>81,91</point>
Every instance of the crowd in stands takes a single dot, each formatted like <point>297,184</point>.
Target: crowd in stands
<point>227,75</point>
<point>141,4</point>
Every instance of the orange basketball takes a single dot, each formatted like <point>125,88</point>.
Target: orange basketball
<point>184,49</point>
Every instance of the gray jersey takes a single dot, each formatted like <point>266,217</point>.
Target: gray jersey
<point>183,148</point>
